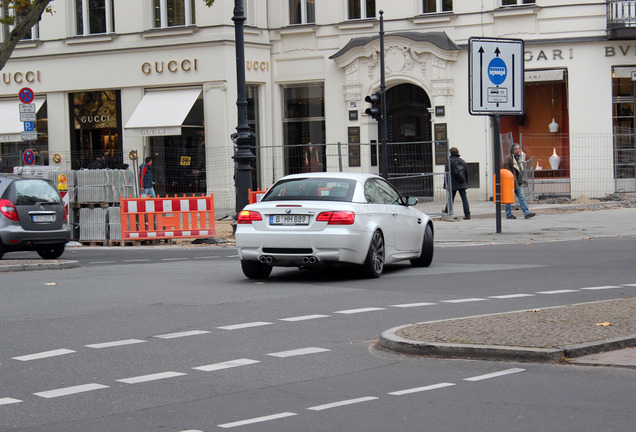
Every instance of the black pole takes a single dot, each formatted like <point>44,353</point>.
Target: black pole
<point>383,131</point>
<point>243,138</point>
<point>497,140</point>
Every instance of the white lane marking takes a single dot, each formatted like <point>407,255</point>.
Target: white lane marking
<point>495,374</point>
<point>410,305</point>
<point>634,284</point>
<point>8,401</point>
<point>70,390</point>
<point>232,256</point>
<point>361,310</point>
<point>420,389</point>
<point>557,291</point>
<point>173,259</point>
<point>151,377</point>
<point>244,325</point>
<point>226,365</point>
<point>115,343</point>
<point>206,257</point>
<point>304,318</point>
<point>342,403</point>
<point>102,262</point>
<point>192,430</point>
<point>509,296</point>
<point>257,420</point>
<point>182,334</point>
<point>136,260</point>
<point>601,287</point>
<point>298,352</point>
<point>464,300</point>
<point>44,354</point>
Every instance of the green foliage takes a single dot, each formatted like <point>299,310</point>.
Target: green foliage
<point>209,3</point>
<point>16,8</point>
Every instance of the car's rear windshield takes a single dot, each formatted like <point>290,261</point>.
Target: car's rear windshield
<point>31,192</point>
<point>314,189</point>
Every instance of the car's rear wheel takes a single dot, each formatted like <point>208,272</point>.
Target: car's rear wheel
<point>51,251</point>
<point>426,257</point>
<point>255,269</point>
<point>374,264</point>
<point>1,251</point>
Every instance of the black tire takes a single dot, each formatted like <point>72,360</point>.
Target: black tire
<point>374,264</point>
<point>255,269</point>
<point>1,251</point>
<point>51,251</point>
<point>426,258</point>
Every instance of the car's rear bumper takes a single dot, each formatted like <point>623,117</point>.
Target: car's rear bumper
<point>18,237</point>
<point>301,249</point>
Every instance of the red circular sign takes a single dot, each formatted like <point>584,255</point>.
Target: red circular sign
<point>29,157</point>
<point>26,95</point>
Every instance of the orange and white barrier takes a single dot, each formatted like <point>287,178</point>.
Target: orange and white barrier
<point>167,218</point>
<point>255,196</point>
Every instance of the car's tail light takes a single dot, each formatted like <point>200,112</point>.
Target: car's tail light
<point>8,209</point>
<point>247,217</point>
<point>337,217</point>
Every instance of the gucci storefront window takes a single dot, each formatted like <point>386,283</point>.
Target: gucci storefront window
<point>96,128</point>
<point>304,128</point>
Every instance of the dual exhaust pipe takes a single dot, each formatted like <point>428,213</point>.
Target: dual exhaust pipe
<point>267,259</point>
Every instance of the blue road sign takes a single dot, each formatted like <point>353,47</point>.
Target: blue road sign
<point>29,157</point>
<point>26,95</point>
<point>29,126</point>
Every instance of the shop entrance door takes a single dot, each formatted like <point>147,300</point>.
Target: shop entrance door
<point>410,150</point>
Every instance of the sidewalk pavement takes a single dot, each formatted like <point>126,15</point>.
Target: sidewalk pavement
<point>598,333</point>
<point>571,336</point>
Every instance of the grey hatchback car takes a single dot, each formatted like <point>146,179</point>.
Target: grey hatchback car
<point>32,216</point>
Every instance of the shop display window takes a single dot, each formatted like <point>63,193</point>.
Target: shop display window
<point>624,103</point>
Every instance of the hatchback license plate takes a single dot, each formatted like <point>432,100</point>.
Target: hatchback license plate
<point>289,220</point>
<point>43,218</point>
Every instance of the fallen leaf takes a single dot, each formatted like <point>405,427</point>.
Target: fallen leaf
<point>605,324</point>
<point>534,310</point>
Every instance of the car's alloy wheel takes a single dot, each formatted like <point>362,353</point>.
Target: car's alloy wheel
<point>374,263</point>
<point>426,257</point>
<point>255,269</point>
<point>52,251</point>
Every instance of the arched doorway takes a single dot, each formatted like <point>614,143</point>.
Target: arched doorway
<point>410,151</point>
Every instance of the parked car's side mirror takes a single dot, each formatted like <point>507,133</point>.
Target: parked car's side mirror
<point>410,201</point>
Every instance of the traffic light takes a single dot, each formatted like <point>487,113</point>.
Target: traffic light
<point>375,110</point>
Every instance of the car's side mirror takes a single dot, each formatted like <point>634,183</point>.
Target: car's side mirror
<point>411,201</point>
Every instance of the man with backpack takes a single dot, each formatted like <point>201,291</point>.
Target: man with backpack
<point>458,170</point>
<point>145,178</point>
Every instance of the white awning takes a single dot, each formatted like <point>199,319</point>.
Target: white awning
<point>161,112</point>
<point>544,75</point>
<point>11,127</point>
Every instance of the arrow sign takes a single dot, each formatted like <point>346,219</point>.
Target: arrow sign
<point>496,81</point>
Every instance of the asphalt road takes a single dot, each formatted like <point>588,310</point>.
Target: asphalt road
<point>148,339</point>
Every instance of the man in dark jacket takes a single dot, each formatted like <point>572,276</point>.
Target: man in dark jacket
<point>458,170</point>
<point>145,178</point>
<point>98,163</point>
<point>513,163</point>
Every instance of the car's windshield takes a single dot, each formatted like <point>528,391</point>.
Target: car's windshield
<point>315,189</point>
<point>32,191</point>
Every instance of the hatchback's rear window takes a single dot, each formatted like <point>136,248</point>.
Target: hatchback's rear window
<point>315,189</point>
<point>33,191</point>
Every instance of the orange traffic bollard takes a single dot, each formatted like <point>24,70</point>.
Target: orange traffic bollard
<point>507,187</point>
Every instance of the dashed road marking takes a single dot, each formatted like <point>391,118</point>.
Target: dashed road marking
<point>174,259</point>
<point>495,374</point>
<point>564,291</point>
<point>245,325</point>
<point>226,365</point>
<point>420,389</point>
<point>304,318</point>
<point>182,334</point>
<point>136,260</point>
<point>410,305</point>
<point>45,354</point>
<point>464,300</point>
<point>509,296</point>
<point>602,287</point>
<point>298,352</point>
<point>70,390</point>
<point>9,401</point>
<point>257,420</point>
<point>151,377</point>
<point>342,403</point>
<point>102,262</point>
<point>115,343</point>
<point>361,310</point>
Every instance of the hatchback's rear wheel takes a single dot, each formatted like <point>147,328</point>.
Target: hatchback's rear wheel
<point>374,263</point>
<point>426,256</point>
<point>1,251</point>
<point>255,269</point>
<point>51,251</point>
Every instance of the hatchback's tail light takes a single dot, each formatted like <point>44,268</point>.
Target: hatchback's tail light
<point>8,209</point>
<point>337,217</point>
<point>247,217</point>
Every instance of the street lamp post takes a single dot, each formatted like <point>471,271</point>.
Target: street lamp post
<point>243,139</point>
<point>384,170</point>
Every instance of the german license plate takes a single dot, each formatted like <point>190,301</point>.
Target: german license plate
<point>289,220</point>
<point>43,218</point>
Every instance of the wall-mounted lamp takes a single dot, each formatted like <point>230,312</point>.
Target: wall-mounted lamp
<point>554,126</point>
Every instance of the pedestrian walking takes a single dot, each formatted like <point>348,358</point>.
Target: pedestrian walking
<point>458,170</point>
<point>513,163</point>
<point>145,178</point>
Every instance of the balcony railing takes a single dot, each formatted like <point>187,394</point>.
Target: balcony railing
<point>621,19</point>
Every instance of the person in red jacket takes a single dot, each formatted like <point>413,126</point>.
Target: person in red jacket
<point>145,178</point>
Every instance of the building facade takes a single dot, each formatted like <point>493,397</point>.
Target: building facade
<point>158,78</point>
